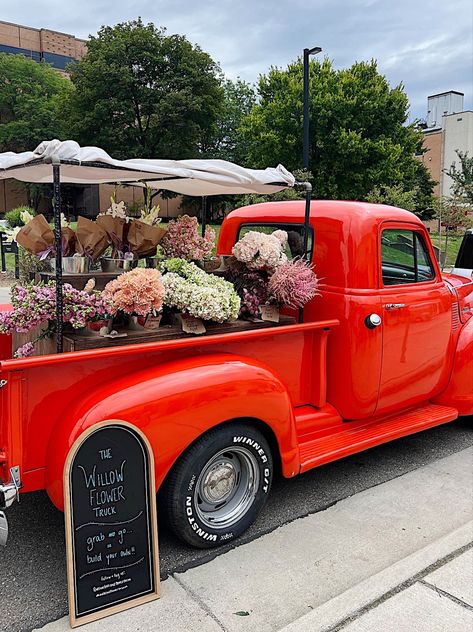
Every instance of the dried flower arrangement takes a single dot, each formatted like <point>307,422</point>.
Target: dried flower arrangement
<point>139,292</point>
<point>183,241</point>
<point>260,250</point>
<point>293,284</point>
<point>193,291</point>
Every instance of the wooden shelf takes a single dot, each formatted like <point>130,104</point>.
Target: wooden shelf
<point>80,342</point>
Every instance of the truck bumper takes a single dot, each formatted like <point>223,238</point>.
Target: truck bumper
<point>8,495</point>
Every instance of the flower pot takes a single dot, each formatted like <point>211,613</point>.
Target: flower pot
<point>117,265</point>
<point>72,265</point>
<point>97,325</point>
<point>153,262</point>
<point>133,323</point>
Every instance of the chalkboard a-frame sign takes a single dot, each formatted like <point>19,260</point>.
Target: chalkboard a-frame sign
<point>111,526</point>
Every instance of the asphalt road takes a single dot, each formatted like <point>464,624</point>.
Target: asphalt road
<point>33,569</point>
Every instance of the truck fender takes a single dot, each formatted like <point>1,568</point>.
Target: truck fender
<point>459,391</point>
<point>174,403</point>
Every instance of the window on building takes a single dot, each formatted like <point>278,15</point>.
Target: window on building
<point>405,258</point>
<point>13,50</point>
<point>295,236</point>
<point>57,61</point>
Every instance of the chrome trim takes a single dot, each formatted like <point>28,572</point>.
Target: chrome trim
<point>9,492</point>
<point>394,305</point>
<point>3,383</point>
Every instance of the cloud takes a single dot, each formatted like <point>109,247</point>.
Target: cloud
<point>425,45</point>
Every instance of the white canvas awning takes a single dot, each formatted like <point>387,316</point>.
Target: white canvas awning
<point>92,165</point>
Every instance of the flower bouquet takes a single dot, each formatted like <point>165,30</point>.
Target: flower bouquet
<point>34,312</point>
<point>135,294</point>
<point>113,221</point>
<point>260,251</point>
<point>92,239</point>
<point>182,240</point>
<point>192,291</point>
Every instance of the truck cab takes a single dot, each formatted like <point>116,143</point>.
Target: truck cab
<point>400,319</point>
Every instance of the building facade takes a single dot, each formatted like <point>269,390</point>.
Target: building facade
<point>448,129</point>
<point>52,47</point>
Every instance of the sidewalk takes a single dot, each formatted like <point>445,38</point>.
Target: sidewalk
<point>395,558</point>
<point>4,295</point>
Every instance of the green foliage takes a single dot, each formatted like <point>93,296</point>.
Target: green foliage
<point>463,177</point>
<point>226,141</point>
<point>358,136</point>
<point>394,196</point>
<point>13,216</point>
<point>139,92</point>
<point>452,213</point>
<point>31,98</point>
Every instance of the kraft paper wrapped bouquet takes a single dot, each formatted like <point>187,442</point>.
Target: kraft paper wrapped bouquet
<point>92,239</point>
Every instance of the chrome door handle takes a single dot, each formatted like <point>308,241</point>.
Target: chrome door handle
<point>394,305</point>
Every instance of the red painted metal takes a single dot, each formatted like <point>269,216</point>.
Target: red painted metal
<point>320,390</point>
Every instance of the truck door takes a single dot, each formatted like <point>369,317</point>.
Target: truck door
<point>416,319</point>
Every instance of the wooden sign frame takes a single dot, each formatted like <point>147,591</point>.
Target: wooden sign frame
<point>76,621</point>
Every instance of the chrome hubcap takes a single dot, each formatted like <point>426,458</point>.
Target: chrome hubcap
<point>226,487</point>
<point>219,482</point>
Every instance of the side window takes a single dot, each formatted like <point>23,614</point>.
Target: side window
<point>405,258</point>
<point>295,236</point>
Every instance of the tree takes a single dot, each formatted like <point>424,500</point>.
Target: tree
<point>463,177</point>
<point>31,98</point>
<point>227,141</point>
<point>359,138</point>
<point>141,93</point>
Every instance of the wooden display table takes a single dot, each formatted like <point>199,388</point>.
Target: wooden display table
<point>80,342</point>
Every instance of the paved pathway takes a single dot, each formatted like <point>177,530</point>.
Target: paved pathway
<point>396,557</point>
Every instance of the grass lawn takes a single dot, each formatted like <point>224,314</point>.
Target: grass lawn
<point>453,246</point>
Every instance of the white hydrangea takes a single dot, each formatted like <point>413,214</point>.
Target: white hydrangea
<point>191,290</point>
<point>259,250</point>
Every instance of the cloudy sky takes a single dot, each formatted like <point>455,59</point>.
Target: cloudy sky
<point>428,45</point>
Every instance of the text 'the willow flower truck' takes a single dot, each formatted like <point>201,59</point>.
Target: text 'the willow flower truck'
<point>384,352</point>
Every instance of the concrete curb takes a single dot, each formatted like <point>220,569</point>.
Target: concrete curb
<point>346,605</point>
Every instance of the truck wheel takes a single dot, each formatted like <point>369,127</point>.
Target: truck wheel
<point>218,486</point>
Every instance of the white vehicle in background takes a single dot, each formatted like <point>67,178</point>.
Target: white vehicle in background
<point>464,262</point>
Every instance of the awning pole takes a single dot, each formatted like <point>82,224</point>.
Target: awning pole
<point>204,214</point>
<point>308,196</point>
<point>58,246</point>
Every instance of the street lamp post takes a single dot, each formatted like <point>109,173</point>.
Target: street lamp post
<point>305,140</point>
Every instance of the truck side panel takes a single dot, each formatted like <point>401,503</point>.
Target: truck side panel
<point>66,391</point>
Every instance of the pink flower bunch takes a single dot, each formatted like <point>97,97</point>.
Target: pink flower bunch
<point>35,305</point>
<point>139,292</point>
<point>293,284</point>
<point>260,250</point>
<point>182,239</point>
<point>24,351</point>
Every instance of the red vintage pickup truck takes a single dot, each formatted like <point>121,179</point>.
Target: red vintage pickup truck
<point>386,351</point>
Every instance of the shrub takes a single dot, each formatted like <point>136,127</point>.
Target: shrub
<point>13,216</point>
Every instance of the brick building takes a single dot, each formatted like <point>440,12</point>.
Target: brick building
<point>448,128</point>
<point>52,47</point>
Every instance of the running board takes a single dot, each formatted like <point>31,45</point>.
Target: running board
<point>356,436</point>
